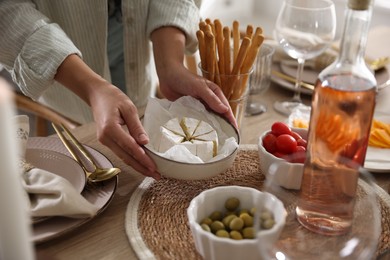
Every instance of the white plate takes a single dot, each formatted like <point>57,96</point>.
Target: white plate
<point>58,164</point>
<point>310,76</point>
<point>284,83</point>
<point>100,195</point>
<point>378,159</point>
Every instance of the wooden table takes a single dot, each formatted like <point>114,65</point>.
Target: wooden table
<point>104,237</point>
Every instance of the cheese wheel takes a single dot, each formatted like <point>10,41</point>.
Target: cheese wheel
<point>196,135</point>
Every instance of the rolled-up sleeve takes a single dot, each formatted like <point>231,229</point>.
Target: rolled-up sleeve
<point>31,46</point>
<point>182,14</point>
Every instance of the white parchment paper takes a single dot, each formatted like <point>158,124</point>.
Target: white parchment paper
<point>160,111</point>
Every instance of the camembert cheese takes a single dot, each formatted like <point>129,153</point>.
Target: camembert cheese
<point>196,135</point>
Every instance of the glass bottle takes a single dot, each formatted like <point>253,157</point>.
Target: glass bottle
<point>342,110</point>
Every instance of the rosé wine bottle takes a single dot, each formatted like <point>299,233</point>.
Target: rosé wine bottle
<point>342,110</point>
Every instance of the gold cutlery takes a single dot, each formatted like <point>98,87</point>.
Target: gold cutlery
<point>323,61</point>
<point>291,79</point>
<point>98,174</point>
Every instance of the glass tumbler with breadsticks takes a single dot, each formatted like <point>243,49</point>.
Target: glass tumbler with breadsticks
<point>226,59</point>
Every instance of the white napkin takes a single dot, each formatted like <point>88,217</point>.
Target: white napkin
<point>49,194</point>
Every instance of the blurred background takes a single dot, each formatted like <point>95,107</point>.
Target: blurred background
<point>263,13</point>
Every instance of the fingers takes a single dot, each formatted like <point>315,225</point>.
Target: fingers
<point>137,162</point>
<point>217,101</point>
<point>135,127</point>
<point>129,150</point>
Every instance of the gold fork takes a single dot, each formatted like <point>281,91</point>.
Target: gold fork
<point>98,174</point>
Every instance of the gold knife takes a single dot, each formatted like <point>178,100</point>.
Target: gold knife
<point>291,79</point>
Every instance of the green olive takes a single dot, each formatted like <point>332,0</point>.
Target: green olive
<point>236,224</point>
<point>216,225</point>
<point>248,232</point>
<point>206,227</point>
<point>268,223</point>
<point>248,220</point>
<point>234,234</point>
<point>243,211</point>
<point>265,214</point>
<point>222,233</point>
<point>226,220</point>
<point>229,213</point>
<point>206,221</point>
<point>216,215</point>
<point>252,211</point>
<point>232,203</point>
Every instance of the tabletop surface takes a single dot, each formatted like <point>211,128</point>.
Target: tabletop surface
<point>105,238</point>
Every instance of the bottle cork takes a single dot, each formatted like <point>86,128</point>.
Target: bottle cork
<point>359,4</point>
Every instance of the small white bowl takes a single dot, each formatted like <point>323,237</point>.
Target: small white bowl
<point>212,247</point>
<point>287,175</point>
<point>197,171</point>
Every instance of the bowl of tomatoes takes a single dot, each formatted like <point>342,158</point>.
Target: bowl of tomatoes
<point>283,148</point>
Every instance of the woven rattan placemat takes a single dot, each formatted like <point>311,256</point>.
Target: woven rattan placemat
<point>156,217</point>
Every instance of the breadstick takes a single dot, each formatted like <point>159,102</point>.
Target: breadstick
<point>259,30</point>
<point>210,23</point>
<point>249,31</point>
<point>253,50</point>
<point>237,65</point>
<point>226,50</point>
<point>202,25</point>
<point>236,39</point>
<point>241,55</point>
<point>227,60</point>
<point>210,54</point>
<point>251,55</point>
<point>221,58</point>
<point>219,39</point>
<point>202,48</point>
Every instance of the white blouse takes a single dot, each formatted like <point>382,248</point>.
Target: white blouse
<point>36,36</point>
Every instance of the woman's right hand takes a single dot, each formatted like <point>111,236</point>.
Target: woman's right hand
<point>117,121</point>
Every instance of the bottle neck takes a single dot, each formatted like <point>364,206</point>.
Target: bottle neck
<point>354,38</point>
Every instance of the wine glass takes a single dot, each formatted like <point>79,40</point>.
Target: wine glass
<point>304,29</point>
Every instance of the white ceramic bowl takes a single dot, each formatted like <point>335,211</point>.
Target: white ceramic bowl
<point>197,171</point>
<point>287,175</point>
<point>212,247</point>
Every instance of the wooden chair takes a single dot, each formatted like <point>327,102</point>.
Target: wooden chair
<point>42,113</point>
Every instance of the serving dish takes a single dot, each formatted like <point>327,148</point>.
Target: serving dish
<point>213,247</point>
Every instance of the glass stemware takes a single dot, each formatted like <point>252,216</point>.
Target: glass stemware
<point>304,29</point>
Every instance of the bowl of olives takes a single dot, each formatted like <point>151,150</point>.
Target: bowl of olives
<point>235,222</point>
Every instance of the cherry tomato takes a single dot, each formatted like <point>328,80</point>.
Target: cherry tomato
<point>285,143</point>
<point>279,128</point>
<point>299,155</point>
<point>269,142</point>
<point>302,142</point>
<point>296,135</point>
<point>279,155</point>
<point>300,149</point>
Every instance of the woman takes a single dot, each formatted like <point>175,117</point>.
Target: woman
<point>56,52</point>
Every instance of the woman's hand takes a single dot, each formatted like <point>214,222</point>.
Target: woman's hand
<point>176,81</point>
<point>116,117</point>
